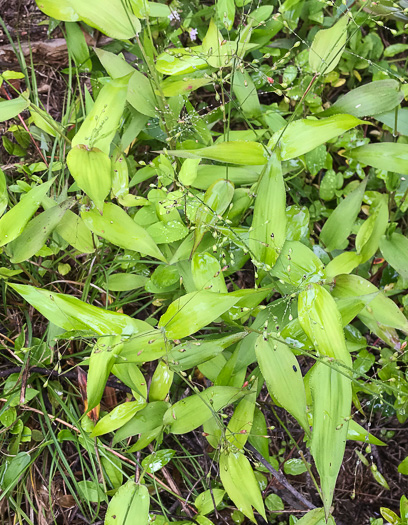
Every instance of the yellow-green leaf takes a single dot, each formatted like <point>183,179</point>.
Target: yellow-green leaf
<point>240,423</point>
<point>117,227</point>
<point>328,46</point>
<point>129,505</point>
<point>395,252</point>
<point>388,156</point>
<point>191,412</point>
<point>283,377</point>
<point>340,223</point>
<point>239,481</point>
<point>331,394</point>
<point>162,380</point>
<point>15,220</point>
<point>120,415</point>
<point>91,169</point>
<point>372,229</point>
<point>268,229</point>
<point>321,320</point>
<point>242,152</point>
<point>11,108</point>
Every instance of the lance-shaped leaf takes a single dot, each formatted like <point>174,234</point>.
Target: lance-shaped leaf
<point>3,193</point>
<point>338,226</point>
<point>331,394</point>
<point>15,220</point>
<point>368,100</point>
<point>116,226</point>
<point>395,252</point>
<point>192,353</point>
<point>240,423</point>
<point>372,229</point>
<point>36,233</point>
<point>194,311</point>
<point>343,263</point>
<point>283,377</point>
<point>246,93</point>
<point>328,46</point>
<point>388,156</point>
<point>268,229</point>
<point>101,124</point>
<point>240,483</point>
<point>145,421</point>
<point>129,505</point>
<point>71,313</point>
<point>118,417</point>
<point>207,274</point>
<point>58,9</point>
<point>297,264</point>
<point>304,135</point>
<point>379,307</point>
<point>191,412</point>
<point>162,380</point>
<point>215,202</point>
<point>316,517</point>
<point>74,231</point>
<point>148,345</point>
<point>321,320</point>
<point>91,170</point>
<point>242,152</point>
<point>11,108</point>
<point>259,434</point>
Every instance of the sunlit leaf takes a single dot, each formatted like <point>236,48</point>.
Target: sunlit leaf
<point>120,415</point>
<point>388,156</point>
<point>116,226</point>
<point>148,419</point>
<point>11,108</point>
<point>327,47</point>
<point>204,502</point>
<point>162,380</point>
<point>268,229</point>
<point>283,377</point>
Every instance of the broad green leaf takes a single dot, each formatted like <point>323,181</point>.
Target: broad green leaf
<point>172,87</point>
<point>338,226</point>
<point>240,423</point>
<point>131,376</point>
<point>315,517</point>
<point>246,93</point>
<point>162,380</point>
<point>215,202</point>
<point>207,174</point>
<point>99,14</point>
<point>144,421</point>
<point>120,415</point>
<point>117,227</point>
<point>391,517</point>
<point>73,230</point>
<point>78,47</point>
<point>11,108</point>
<point>3,193</point>
<point>120,175</point>
<point>283,377</point>
<point>16,219</point>
<point>226,13</point>
<point>194,311</point>
<point>242,152</point>
<point>302,136</point>
<point>192,353</point>
<point>368,100</point>
<point>389,120</point>
<point>331,394</point>
<point>141,96</point>
<point>188,171</point>
<point>129,505</point>
<point>181,61</point>
<point>149,345</point>
<point>380,308</point>
<point>356,432</point>
<point>91,491</point>
<point>388,156</point>
<point>204,502</point>
<point>207,274</point>
<point>395,252</point>
<point>71,313</point>
<point>190,413</point>
<point>259,434</point>
<point>167,232</point>
<point>124,282</point>
<point>115,65</point>
<point>403,467</point>
<point>36,233</point>
<point>12,468</point>
<point>268,229</point>
<point>294,467</point>
<point>328,46</point>
<point>58,9</point>
<point>298,265</point>
<point>343,263</point>
<point>321,320</point>
<point>239,481</point>
<point>101,124</point>
<point>158,460</point>
<point>91,170</point>
<point>297,222</point>
<point>372,229</point>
